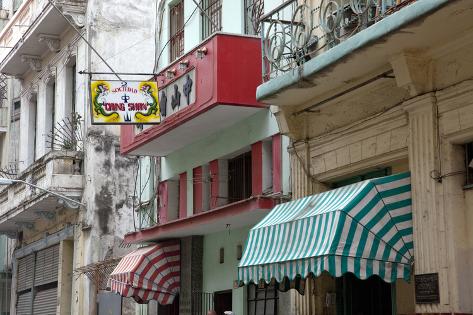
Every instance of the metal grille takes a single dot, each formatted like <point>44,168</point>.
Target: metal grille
<point>262,301</point>
<point>202,302</point>
<point>99,272</point>
<point>47,266</point>
<point>211,17</point>
<point>254,10</point>
<point>239,177</point>
<point>45,301</point>
<point>296,31</point>
<point>177,30</point>
<point>67,134</point>
<point>3,86</point>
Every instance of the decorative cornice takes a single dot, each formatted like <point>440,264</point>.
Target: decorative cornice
<point>48,73</point>
<point>47,215</point>
<point>75,9</point>
<point>52,41</point>
<point>25,225</point>
<point>33,61</point>
<point>29,92</point>
<point>71,51</point>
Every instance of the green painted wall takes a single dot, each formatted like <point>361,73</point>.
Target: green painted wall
<point>220,277</point>
<point>244,133</point>
<point>3,253</point>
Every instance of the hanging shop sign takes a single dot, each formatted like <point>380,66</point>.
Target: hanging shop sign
<point>427,288</point>
<point>124,102</point>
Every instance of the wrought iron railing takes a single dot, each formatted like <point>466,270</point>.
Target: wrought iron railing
<point>298,30</point>
<point>254,10</point>
<point>202,302</point>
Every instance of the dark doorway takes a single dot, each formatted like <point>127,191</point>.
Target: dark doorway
<point>172,309</point>
<point>363,297</point>
<point>223,301</point>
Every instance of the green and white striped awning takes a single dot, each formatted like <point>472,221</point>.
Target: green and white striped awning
<point>364,228</point>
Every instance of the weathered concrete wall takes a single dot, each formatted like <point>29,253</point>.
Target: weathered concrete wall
<point>108,196</point>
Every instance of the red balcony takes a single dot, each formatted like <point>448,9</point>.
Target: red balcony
<point>210,88</point>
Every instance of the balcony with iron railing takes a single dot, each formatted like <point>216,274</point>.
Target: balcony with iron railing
<point>21,206</point>
<point>35,28</point>
<point>323,47</point>
<point>298,30</point>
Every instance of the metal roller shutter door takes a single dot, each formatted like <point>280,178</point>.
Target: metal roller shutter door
<point>25,273</point>
<point>47,265</point>
<point>45,302</point>
<point>23,304</point>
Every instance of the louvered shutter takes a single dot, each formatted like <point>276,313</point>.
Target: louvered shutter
<point>23,304</point>
<point>47,265</point>
<point>45,302</point>
<point>25,273</point>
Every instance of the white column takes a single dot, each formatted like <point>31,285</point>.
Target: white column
<point>63,94</point>
<point>27,130</point>
<point>430,248</point>
<point>44,121</point>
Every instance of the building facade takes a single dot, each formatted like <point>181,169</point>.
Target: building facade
<point>369,89</point>
<point>63,251</point>
<point>222,163</point>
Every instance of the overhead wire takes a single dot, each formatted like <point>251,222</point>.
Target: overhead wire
<point>84,39</point>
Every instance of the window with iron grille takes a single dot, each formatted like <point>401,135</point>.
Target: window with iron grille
<point>262,301</point>
<point>211,17</point>
<point>239,177</point>
<point>254,10</point>
<point>469,164</point>
<point>176,20</point>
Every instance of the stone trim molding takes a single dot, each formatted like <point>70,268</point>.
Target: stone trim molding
<point>52,41</point>
<point>33,61</point>
<point>74,9</point>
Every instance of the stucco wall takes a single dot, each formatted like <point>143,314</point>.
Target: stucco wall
<point>220,277</point>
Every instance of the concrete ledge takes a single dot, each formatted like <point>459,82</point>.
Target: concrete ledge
<point>373,33</point>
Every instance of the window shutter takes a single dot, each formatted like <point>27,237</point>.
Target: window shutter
<point>45,302</point>
<point>23,304</point>
<point>25,273</point>
<point>47,265</point>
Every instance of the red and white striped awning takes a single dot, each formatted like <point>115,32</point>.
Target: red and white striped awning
<point>149,273</point>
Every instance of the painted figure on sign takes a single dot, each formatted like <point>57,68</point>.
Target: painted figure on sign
<point>176,98</point>
<point>163,103</point>
<point>188,88</point>
<point>153,108</point>
<point>102,90</point>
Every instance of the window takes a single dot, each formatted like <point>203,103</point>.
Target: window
<point>239,177</point>
<point>362,177</point>
<point>372,296</point>
<point>15,113</point>
<point>176,20</point>
<point>211,17</point>
<point>254,9</point>
<point>262,301</point>
<point>469,164</point>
